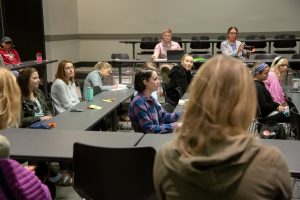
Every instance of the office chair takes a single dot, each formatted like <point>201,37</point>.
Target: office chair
<point>196,44</point>
<point>218,44</point>
<point>295,122</point>
<point>123,56</point>
<point>264,56</point>
<point>256,45</point>
<point>288,43</point>
<point>147,45</point>
<point>177,39</point>
<point>113,173</point>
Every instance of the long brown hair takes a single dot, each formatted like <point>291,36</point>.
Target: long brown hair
<point>222,103</point>
<point>10,99</point>
<point>60,74</point>
<point>23,81</point>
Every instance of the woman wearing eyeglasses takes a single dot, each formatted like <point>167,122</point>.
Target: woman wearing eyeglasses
<point>277,72</point>
<point>233,47</point>
<point>34,106</point>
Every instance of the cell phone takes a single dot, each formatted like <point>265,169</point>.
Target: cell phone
<point>76,110</point>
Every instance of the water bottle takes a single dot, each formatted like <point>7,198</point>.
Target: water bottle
<point>89,93</point>
<point>39,57</point>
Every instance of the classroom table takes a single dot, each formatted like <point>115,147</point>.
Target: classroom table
<point>40,66</point>
<point>289,148</point>
<point>57,145</point>
<point>212,41</point>
<point>89,118</point>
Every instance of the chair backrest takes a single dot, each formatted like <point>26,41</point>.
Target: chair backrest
<point>148,42</point>
<point>177,39</point>
<point>222,38</point>
<point>265,56</point>
<point>288,42</point>
<point>113,173</point>
<point>293,65</point>
<point>196,44</point>
<point>119,56</point>
<point>261,44</point>
<point>295,122</point>
<point>295,56</point>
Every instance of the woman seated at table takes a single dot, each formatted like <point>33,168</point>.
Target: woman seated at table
<point>277,73</point>
<point>212,155</point>
<point>268,110</point>
<point>34,106</point>
<point>16,182</point>
<point>233,47</point>
<point>145,113</point>
<point>63,90</point>
<point>94,78</point>
<point>180,78</point>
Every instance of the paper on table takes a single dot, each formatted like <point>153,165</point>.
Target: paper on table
<point>120,87</point>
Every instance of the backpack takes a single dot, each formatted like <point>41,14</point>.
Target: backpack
<point>271,130</point>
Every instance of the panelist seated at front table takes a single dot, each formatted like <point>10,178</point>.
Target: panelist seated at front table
<point>233,47</point>
<point>160,50</point>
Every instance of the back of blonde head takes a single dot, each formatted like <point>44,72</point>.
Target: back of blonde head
<point>222,103</point>
<point>102,65</point>
<point>10,99</point>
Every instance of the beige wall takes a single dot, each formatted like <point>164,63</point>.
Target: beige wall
<point>90,30</point>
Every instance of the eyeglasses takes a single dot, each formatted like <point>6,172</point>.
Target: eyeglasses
<point>233,33</point>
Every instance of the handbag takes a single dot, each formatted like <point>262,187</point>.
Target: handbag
<point>272,130</point>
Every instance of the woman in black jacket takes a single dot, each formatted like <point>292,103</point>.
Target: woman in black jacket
<point>268,110</point>
<point>180,78</point>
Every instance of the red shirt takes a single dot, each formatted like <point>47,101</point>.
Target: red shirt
<point>10,56</point>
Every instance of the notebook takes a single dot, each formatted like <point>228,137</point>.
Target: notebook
<point>174,54</point>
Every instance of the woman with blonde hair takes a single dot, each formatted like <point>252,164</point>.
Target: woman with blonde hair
<point>17,182</point>
<point>94,78</point>
<point>277,73</point>
<point>212,155</point>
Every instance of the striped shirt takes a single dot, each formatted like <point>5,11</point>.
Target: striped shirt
<point>150,117</point>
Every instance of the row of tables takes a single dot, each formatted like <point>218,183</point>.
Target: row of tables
<point>56,145</point>
<point>212,41</point>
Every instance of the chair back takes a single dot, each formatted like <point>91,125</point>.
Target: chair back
<point>293,65</point>
<point>113,173</point>
<point>295,122</point>
<point>288,42</point>
<point>177,39</point>
<point>148,42</point>
<point>196,44</point>
<point>260,44</point>
<point>222,38</point>
<point>265,56</point>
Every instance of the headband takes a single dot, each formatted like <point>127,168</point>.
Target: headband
<point>260,67</point>
<point>277,61</point>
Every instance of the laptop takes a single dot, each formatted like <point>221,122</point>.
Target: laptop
<point>174,54</point>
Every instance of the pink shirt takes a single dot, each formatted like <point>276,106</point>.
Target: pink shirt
<point>161,48</point>
<point>273,85</point>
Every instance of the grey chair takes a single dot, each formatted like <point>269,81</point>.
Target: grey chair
<point>286,45</point>
<point>113,173</point>
<point>201,46</point>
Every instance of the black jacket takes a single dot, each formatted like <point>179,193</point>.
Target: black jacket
<point>28,114</point>
<point>265,101</point>
<point>180,79</point>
